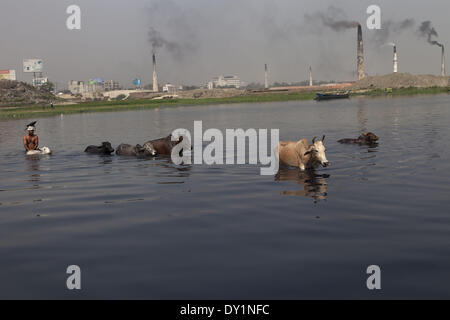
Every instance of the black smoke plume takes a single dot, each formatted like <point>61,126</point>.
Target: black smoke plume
<point>390,29</point>
<point>427,31</point>
<point>158,41</point>
<point>334,18</point>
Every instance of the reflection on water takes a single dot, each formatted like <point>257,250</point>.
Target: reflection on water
<point>33,168</point>
<point>362,115</point>
<point>313,185</point>
<point>170,169</point>
<point>105,159</point>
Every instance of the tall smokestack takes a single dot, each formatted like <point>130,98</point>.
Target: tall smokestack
<point>266,77</point>
<point>395,59</point>
<point>360,55</point>
<point>310,77</point>
<point>443,62</point>
<point>155,77</point>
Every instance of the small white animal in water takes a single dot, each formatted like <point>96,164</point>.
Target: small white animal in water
<point>43,150</point>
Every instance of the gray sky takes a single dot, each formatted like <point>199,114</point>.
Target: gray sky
<point>211,37</point>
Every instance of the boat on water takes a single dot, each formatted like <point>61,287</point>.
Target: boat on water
<point>330,96</point>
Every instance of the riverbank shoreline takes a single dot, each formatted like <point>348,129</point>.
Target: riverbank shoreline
<point>142,104</point>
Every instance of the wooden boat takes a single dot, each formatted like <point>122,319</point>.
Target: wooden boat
<point>330,96</point>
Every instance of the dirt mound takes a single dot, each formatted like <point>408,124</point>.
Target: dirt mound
<point>13,93</point>
<point>401,80</point>
<point>213,93</point>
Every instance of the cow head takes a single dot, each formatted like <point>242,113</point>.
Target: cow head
<point>148,150</point>
<point>317,152</point>
<point>107,148</point>
<point>369,137</point>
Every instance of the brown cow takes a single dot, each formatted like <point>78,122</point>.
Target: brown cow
<point>105,148</point>
<point>129,150</point>
<point>164,146</point>
<point>368,138</point>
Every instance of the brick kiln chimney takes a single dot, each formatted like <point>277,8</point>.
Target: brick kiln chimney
<point>360,56</point>
<point>395,59</point>
<point>266,77</point>
<point>155,77</point>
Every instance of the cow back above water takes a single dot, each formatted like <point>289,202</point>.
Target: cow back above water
<point>104,148</point>
<point>164,146</point>
<point>125,149</point>
<point>368,138</point>
<point>137,150</point>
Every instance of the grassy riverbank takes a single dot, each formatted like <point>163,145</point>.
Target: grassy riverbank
<point>108,106</point>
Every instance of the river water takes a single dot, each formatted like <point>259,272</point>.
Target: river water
<point>146,228</point>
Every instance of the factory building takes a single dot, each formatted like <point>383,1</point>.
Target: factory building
<point>170,88</point>
<point>80,87</point>
<point>111,85</point>
<point>224,82</point>
<point>92,86</point>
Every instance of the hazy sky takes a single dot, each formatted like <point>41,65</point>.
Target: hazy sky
<point>207,38</point>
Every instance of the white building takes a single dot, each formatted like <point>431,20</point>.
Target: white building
<point>111,85</point>
<point>169,88</point>
<point>79,87</point>
<point>37,82</point>
<point>225,81</point>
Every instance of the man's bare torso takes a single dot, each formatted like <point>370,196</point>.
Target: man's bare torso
<point>30,142</point>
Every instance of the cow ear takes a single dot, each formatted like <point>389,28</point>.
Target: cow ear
<point>363,134</point>
<point>307,152</point>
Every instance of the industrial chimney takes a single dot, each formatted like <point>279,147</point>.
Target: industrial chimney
<point>266,77</point>
<point>395,59</point>
<point>360,55</point>
<point>443,62</point>
<point>310,77</point>
<point>155,77</point>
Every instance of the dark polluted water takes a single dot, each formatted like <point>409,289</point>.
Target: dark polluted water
<point>146,228</point>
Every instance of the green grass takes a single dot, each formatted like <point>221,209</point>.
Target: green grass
<point>130,104</point>
<point>126,105</point>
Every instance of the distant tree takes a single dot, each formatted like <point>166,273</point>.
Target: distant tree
<point>254,85</point>
<point>120,97</point>
<point>48,87</point>
<point>192,87</point>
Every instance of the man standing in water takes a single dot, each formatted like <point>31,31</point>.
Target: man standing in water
<point>30,140</point>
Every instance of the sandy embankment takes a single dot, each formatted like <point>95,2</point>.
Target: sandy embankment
<point>401,80</point>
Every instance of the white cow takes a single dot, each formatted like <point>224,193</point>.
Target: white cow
<point>303,155</point>
<point>43,150</point>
